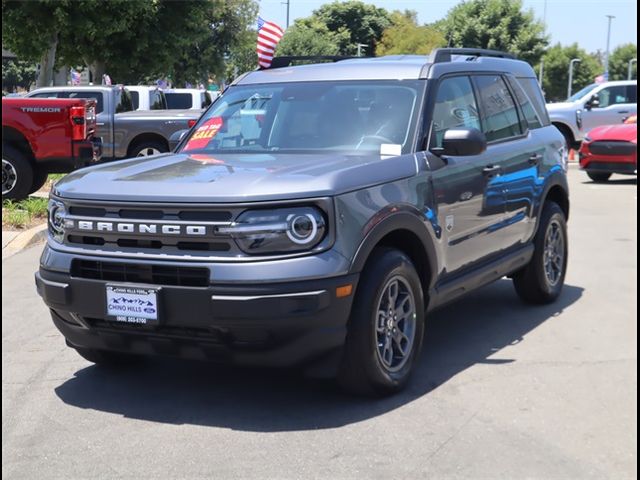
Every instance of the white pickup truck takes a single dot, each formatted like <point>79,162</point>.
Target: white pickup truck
<point>597,104</point>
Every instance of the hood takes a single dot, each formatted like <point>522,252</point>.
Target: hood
<point>232,178</point>
<point>622,132</point>
<point>553,107</point>
<point>161,114</point>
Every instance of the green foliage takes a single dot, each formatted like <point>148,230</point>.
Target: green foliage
<point>619,62</point>
<point>556,71</point>
<point>132,41</point>
<point>17,73</point>
<point>309,36</point>
<point>354,22</point>
<point>405,36</point>
<point>22,214</point>
<point>495,24</point>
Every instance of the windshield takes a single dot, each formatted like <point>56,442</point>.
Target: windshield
<point>582,92</point>
<point>308,117</point>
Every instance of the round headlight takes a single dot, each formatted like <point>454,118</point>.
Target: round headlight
<point>57,216</point>
<point>302,228</point>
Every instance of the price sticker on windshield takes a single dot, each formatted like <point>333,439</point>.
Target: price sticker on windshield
<point>204,134</point>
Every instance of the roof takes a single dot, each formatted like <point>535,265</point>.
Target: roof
<point>393,67</point>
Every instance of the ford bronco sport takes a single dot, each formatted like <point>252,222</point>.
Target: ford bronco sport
<point>314,216</point>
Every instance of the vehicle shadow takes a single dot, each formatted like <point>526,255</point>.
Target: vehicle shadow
<point>180,392</point>
<point>614,181</point>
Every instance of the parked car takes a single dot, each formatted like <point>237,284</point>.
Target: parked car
<point>610,149</point>
<point>124,132</point>
<point>43,136</point>
<point>595,105</point>
<point>147,98</point>
<point>187,98</point>
<point>313,216</point>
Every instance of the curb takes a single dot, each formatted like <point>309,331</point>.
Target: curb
<point>24,240</point>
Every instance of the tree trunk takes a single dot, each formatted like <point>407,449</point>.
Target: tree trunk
<point>97,69</point>
<point>61,76</point>
<point>45,76</point>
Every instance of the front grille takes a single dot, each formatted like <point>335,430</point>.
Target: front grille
<point>612,148</point>
<point>140,273</point>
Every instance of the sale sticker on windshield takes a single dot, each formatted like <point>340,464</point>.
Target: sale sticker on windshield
<point>204,134</point>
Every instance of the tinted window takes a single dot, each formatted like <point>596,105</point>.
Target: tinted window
<point>526,107</point>
<point>498,110</point>
<point>614,95</point>
<point>455,107</point>
<point>156,100</point>
<point>532,89</point>
<point>96,95</point>
<point>178,101</point>
<point>632,93</point>
<point>123,101</point>
<point>44,95</point>
<point>135,99</point>
<point>205,100</point>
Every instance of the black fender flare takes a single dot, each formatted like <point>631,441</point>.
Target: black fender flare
<point>394,219</point>
<point>556,179</point>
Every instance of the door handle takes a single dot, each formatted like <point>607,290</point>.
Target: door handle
<point>491,170</point>
<point>623,111</point>
<point>100,124</point>
<point>535,159</point>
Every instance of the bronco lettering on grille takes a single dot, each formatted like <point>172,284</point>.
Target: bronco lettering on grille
<point>143,228</point>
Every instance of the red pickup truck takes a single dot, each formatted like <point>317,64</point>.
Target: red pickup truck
<point>42,136</point>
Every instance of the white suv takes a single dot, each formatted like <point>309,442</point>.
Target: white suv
<point>187,99</point>
<point>598,104</point>
<point>147,98</point>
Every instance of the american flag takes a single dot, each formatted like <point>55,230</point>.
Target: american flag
<point>269,34</point>
<point>75,77</point>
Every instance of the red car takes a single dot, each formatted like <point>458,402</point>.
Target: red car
<point>610,149</point>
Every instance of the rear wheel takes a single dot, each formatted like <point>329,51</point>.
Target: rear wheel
<point>147,148</point>
<point>542,279</point>
<point>39,179</point>
<point>17,174</point>
<point>386,326</point>
<point>599,177</point>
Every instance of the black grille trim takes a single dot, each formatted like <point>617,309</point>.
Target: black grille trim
<point>141,273</point>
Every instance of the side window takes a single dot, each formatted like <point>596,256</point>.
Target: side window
<point>498,110</point>
<point>632,93</point>
<point>613,96</point>
<point>44,95</point>
<point>123,101</point>
<point>135,99</point>
<point>96,95</point>
<point>526,107</point>
<point>205,99</point>
<point>455,107</point>
<point>155,100</point>
<point>532,89</point>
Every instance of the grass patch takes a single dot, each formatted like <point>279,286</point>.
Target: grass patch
<point>23,214</point>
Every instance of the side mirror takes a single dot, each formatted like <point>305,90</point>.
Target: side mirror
<point>462,142</point>
<point>593,102</point>
<point>176,138</point>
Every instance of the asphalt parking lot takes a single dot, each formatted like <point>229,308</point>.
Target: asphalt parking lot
<point>502,390</point>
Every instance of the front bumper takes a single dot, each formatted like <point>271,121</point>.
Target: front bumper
<point>269,324</point>
<point>609,157</point>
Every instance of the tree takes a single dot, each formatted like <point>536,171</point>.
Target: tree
<point>495,24</point>
<point>309,36</point>
<point>130,40</point>
<point>16,73</point>
<point>556,70</point>
<point>405,36</point>
<point>355,23</point>
<point>619,62</point>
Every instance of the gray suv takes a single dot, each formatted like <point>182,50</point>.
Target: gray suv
<point>314,216</point>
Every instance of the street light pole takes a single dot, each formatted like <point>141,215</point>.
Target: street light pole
<point>286,2</point>
<point>631,62</point>
<point>606,58</point>
<point>360,46</point>
<point>544,22</point>
<point>569,87</point>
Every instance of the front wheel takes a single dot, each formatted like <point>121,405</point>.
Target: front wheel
<point>542,279</point>
<point>599,177</point>
<point>386,326</point>
<point>17,174</point>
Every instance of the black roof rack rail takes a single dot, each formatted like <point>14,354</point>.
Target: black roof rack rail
<point>285,61</point>
<point>442,55</point>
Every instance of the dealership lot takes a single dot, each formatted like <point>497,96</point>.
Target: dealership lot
<point>502,390</point>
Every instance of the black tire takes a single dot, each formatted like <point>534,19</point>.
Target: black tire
<point>599,177</point>
<point>147,147</point>
<point>362,371</point>
<point>39,179</point>
<point>17,174</point>
<point>533,284</point>
<point>106,358</point>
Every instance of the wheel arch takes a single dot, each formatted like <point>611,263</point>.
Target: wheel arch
<point>146,137</point>
<point>17,140</point>
<point>408,233</point>
<point>567,132</point>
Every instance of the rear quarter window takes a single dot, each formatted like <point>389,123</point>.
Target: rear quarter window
<point>135,99</point>
<point>532,89</point>
<point>178,101</point>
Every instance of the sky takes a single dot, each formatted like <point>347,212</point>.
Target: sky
<point>568,21</point>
